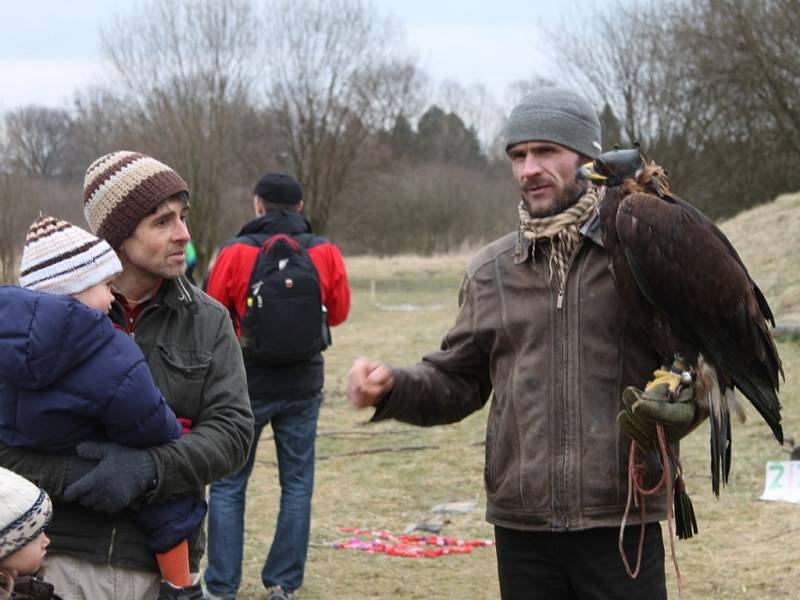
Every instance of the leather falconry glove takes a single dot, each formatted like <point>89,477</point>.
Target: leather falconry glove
<point>667,400</point>
<point>122,476</point>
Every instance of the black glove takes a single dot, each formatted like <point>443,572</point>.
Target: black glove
<point>76,468</point>
<point>122,475</point>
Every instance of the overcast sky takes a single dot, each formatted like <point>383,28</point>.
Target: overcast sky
<point>50,48</point>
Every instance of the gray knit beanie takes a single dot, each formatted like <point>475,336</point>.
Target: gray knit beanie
<point>552,114</point>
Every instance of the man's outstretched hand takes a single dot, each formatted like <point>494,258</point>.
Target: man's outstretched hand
<point>121,476</point>
<point>368,381</point>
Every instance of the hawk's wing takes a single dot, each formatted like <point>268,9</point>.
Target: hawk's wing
<point>686,267</point>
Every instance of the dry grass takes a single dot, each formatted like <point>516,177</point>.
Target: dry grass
<point>746,548</point>
<point>767,240</point>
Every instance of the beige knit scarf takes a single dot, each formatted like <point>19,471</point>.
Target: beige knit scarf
<point>561,230</point>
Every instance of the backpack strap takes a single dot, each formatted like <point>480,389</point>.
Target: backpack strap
<point>271,241</point>
<point>305,240</point>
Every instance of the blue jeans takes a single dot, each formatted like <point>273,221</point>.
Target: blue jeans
<point>294,424</point>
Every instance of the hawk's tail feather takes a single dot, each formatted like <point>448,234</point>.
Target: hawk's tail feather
<point>719,421</point>
<point>763,396</point>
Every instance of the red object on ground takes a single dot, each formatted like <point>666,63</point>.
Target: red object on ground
<point>407,546</point>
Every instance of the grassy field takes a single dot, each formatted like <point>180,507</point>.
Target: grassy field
<point>389,475</point>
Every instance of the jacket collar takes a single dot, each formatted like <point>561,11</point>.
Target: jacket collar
<point>282,221</point>
<point>175,293</point>
<point>591,229</point>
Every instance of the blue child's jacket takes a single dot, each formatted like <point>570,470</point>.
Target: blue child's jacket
<point>68,376</point>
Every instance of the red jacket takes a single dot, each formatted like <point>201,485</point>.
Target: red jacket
<point>230,274</point>
<point>228,281</point>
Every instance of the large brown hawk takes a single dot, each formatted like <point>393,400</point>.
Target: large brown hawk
<point>684,283</point>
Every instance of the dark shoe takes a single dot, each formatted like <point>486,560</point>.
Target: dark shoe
<point>167,591</point>
<point>276,592</point>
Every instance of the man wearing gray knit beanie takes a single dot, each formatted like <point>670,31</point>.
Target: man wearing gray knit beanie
<point>542,335</point>
<point>547,135</point>
<point>139,206</point>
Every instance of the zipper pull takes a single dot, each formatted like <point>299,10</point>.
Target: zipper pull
<point>560,300</point>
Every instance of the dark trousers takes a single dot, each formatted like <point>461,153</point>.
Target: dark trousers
<point>579,565</point>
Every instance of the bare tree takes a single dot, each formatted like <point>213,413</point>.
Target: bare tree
<point>745,57</point>
<point>36,139</point>
<point>445,208</point>
<point>476,106</point>
<point>185,67</point>
<point>335,79</point>
<point>16,214</point>
<point>705,86</point>
<point>622,57</point>
<point>99,126</point>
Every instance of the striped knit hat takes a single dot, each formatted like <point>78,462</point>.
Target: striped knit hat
<point>25,511</point>
<point>61,258</point>
<point>121,189</point>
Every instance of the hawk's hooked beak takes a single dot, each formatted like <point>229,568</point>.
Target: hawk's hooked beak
<point>587,171</point>
<point>613,167</point>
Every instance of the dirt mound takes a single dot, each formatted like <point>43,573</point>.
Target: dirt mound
<point>767,238</point>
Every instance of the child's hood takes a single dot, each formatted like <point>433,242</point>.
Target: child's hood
<point>43,336</point>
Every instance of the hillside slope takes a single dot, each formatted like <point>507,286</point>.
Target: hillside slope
<point>767,238</point>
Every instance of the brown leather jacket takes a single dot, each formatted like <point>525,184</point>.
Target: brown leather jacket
<point>555,458</point>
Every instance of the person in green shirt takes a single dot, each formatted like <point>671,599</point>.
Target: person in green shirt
<point>190,255</point>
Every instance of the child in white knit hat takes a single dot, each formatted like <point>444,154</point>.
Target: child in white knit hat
<point>68,377</point>
<point>25,510</point>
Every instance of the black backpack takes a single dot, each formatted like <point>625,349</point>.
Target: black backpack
<point>284,320</point>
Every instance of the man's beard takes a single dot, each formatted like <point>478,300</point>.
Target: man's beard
<point>568,197</point>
